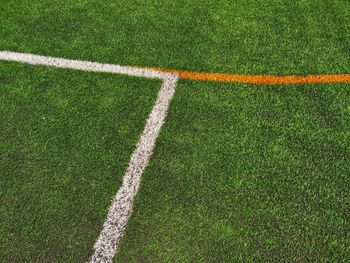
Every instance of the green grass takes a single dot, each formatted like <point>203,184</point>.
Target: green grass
<point>240,172</point>
<point>66,138</point>
<point>247,173</point>
<point>258,37</point>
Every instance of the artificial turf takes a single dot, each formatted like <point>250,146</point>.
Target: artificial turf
<point>250,37</point>
<point>245,173</point>
<point>240,172</point>
<point>66,138</point>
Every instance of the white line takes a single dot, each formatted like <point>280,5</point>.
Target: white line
<point>122,203</point>
<point>81,65</point>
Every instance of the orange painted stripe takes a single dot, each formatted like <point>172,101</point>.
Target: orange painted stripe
<point>261,79</point>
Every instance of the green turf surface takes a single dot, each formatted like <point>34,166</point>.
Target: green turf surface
<point>65,140</point>
<point>258,37</point>
<point>239,172</point>
<point>247,173</point>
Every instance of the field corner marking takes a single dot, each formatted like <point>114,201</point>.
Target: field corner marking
<point>121,208</point>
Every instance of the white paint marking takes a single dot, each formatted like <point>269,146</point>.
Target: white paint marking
<point>81,65</point>
<point>122,204</point>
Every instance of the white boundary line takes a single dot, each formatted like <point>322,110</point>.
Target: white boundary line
<point>82,65</point>
<point>122,203</point>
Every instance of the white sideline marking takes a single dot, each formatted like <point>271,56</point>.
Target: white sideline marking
<point>81,65</point>
<point>122,203</point>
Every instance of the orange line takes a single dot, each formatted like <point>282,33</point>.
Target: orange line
<point>260,79</point>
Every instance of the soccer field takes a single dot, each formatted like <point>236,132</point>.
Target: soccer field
<point>174,131</point>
